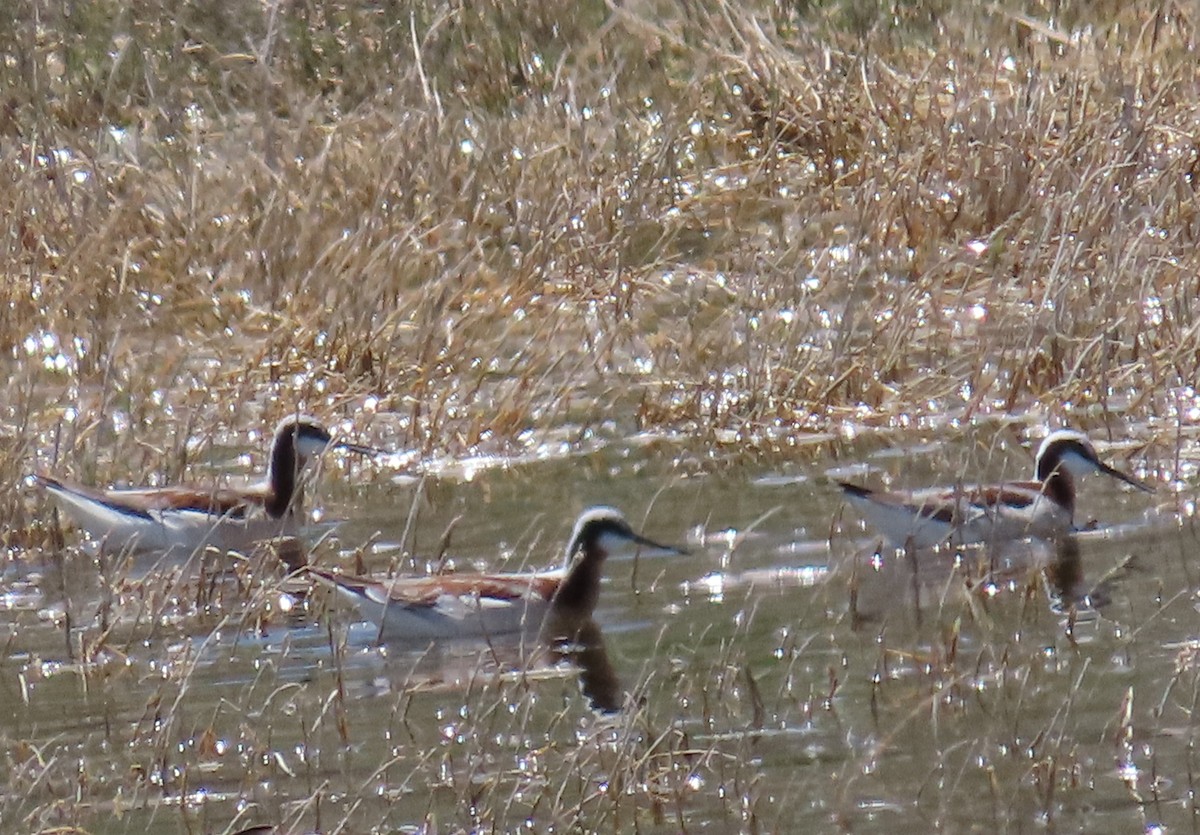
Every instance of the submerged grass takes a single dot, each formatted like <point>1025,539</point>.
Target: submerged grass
<point>460,227</point>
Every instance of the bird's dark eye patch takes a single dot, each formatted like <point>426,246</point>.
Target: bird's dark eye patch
<point>1079,449</point>
<point>1053,457</point>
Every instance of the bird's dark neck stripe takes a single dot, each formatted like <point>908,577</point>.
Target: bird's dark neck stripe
<point>580,589</point>
<point>1058,484</point>
<point>283,475</point>
<point>1060,489</point>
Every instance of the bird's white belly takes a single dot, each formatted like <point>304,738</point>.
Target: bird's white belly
<point>168,530</point>
<point>452,616</point>
<point>902,527</point>
<point>190,531</point>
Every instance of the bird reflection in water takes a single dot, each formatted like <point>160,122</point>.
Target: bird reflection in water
<point>1065,580</point>
<point>582,644</point>
<point>919,581</point>
<point>1070,591</point>
<point>560,648</point>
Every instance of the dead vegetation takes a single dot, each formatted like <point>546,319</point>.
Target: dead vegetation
<point>723,218</point>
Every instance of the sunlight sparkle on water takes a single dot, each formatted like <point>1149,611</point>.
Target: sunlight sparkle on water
<point>1128,772</point>
<point>714,584</point>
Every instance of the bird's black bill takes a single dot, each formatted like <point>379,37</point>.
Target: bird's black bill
<point>1128,479</point>
<point>650,543</point>
<point>359,448</point>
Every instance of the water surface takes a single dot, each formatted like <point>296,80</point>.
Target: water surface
<point>783,676</point>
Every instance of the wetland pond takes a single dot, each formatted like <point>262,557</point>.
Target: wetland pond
<point>782,676</point>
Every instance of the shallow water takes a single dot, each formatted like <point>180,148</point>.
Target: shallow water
<point>780,677</point>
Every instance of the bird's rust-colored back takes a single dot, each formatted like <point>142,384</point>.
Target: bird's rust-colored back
<point>425,591</point>
<point>235,504</point>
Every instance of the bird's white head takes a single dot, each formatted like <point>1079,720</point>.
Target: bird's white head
<point>601,530</point>
<point>309,436</point>
<point>1071,451</point>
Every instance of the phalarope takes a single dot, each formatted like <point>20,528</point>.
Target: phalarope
<point>472,605</point>
<point>166,518</point>
<point>1043,508</point>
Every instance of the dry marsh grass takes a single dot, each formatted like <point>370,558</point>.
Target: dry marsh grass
<point>456,226</point>
<point>704,217</point>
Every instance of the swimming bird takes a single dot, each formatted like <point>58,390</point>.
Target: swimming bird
<point>472,605</point>
<point>1043,508</point>
<point>182,517</point>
